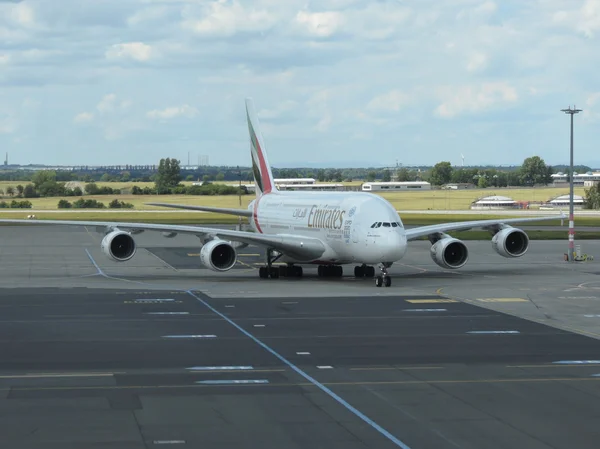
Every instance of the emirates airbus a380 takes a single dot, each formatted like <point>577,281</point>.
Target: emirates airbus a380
<point>328,229</point>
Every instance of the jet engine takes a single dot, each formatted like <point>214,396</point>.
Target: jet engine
<point>510,242</point>
<point>449,253</point>
<point>118,245</point>
<point>218,255</point>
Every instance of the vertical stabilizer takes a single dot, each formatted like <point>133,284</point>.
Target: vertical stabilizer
<point>263,178</point>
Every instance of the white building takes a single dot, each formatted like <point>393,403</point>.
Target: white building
<point>394,186</point>
<point>279,181</point>
<point>578,179</point>
<point>563,201</point>
<point>308,187</point>
<point>494,202</point>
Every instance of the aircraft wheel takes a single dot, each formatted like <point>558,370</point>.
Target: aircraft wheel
<point>359,272</point>
<point>370,272</point>
<point>263,273</point>
<point>378,281</point>
<point>339,271</point>
<point>285,271</point>
<point>274,274</point>
<point>298,272</point>
<point>387,281</point>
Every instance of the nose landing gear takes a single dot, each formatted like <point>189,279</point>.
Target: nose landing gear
<point>384,279</point>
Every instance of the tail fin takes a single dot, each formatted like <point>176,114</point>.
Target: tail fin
<point>263,178</point>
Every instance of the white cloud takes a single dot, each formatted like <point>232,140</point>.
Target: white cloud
<point>4,58</point>
<point>22,14</point>
<point>184,110</point>
<point>138,51</point>
<point>226,18</point>
<point>147,14</point>
<point>585,19</point>
<point>83,117</point>
<point>392,101</point>
<point>8,124</point>
<point>477,62</point>
<point>320,24</point>
<point>107,103</point>
<point>470,99</point>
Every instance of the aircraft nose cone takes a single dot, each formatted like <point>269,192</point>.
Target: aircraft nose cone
<point>396,246</point>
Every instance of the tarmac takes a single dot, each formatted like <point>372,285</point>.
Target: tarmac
<point>159,351</point>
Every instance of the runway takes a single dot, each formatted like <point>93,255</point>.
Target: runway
<point>161,352</point>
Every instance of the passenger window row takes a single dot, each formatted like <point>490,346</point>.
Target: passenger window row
<point>378,224</point>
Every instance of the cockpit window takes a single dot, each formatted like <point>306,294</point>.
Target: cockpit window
<point>394,225</point>
<point>378,224</point>
<point>386,225</point>
<point>374,224</point>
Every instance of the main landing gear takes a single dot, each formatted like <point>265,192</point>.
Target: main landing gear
<point>384,278</point>
<point>272,272</point>
<point>364,271</point>
<point>330,271</point>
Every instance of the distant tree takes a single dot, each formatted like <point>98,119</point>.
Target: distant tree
<point>64,204</point>
<point>534,171</point>
<point>371,176</point>
<point>10,190</point>
<point>168,175</point>
<point>106,177</point>
<point>91,188</point>
<point>441,173</point>
<point>125,176</point>
<point>482,183</point>
<point>20,189</point>
<point>43,176</point>
<point>29,191</point>
<point>386,177</point>
<point>220,176</point>
<point>321,175</point>
<point>592,197</point>
<point>405,175</point>
<point>207,178</point>
<point>189,178</point>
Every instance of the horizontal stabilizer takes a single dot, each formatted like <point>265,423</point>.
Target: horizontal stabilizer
<point>217,210</point>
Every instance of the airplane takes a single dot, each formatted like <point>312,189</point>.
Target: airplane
<point>327,229</point>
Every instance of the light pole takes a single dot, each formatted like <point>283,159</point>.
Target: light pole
<point>571,112</point>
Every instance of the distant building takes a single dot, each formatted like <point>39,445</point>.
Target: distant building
<point>495,202</point>
<point>458,186</point>
<point>392,186</point>
<point>562,179</point>
<point>563,201</point>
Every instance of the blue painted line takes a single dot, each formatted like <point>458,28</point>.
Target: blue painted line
<point>577,362</point>
<point>316,383</point>
<point>233,382</point>
<point>313,381</point>
<point>100,272</point>
<point>219,368</point>
<point>189,336</point>
<point>493,332</point>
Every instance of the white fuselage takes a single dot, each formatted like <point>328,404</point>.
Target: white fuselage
<point>341,220</point>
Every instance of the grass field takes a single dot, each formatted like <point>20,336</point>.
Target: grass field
<point>424,200</point>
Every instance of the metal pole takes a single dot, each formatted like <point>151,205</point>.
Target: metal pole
<point>571,253</point>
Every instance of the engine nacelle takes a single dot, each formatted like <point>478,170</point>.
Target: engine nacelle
<point>118,245</point>
<point>218,255</point>
<point>510,242</point>
<point>449,253</point>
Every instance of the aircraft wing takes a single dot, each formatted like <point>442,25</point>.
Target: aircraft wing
<point>218,210</point>
<point>423,231</point>
<point>292,245</point>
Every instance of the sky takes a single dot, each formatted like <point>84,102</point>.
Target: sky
<point>345,83</point>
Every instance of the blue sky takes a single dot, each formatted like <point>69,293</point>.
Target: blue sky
<point>335,82</point>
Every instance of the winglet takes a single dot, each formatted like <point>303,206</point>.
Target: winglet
<point>263,178</point>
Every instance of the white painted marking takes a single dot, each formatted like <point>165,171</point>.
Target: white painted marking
<point>592,316</point>
<point>493,332</point>
<point>303,353</point>
<point>169,442</point>
<point>229,306</point>
<point>189,336</point>
<point>43,375</point>
<point>167,313</point>
<point>154,300</point>
<point>233,382</point>
<point>289,302</point>
<point>595,375</point>
<point>219,368</point>
<point>324,366</point>
<point>577,362</point>
<point>259,325</point>
<point>425,310</point>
